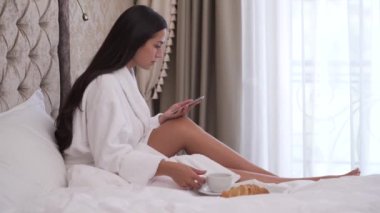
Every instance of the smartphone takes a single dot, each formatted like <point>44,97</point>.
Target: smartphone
<point>193,103</point>
<point>197,101</point>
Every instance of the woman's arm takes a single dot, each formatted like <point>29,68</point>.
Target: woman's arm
<point>185,176</point>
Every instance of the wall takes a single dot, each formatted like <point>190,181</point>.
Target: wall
<point>87,36</point>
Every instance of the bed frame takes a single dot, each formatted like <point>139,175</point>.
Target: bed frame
<point>34,52</point>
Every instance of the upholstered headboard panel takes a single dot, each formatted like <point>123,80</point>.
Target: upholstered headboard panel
<point>29,36</point>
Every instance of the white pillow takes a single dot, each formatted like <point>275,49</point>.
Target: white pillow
<point>30,163</point>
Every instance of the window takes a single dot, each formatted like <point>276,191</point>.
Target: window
<point>315,92</point>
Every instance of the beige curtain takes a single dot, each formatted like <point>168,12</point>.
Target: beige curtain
<point>151,81</point>
<point>208,62</point>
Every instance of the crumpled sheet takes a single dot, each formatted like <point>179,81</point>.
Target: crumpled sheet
<point>95,190</point>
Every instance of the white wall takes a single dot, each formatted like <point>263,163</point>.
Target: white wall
<point>87,36</point>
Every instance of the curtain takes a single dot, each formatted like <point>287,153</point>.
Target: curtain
<point>311,92</point>
<point>208,62</point>
<point>150,81</point>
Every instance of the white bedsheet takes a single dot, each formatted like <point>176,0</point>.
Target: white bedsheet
<point>107,193</point>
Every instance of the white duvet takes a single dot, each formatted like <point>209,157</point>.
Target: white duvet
<point>94,190</point>
<point>30,169</point>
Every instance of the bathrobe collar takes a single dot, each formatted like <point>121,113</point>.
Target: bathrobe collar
<point>131,90</point>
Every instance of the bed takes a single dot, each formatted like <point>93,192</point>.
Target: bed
<point>34,178</point>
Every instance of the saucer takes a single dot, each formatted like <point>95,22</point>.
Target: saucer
<point>206,191</point>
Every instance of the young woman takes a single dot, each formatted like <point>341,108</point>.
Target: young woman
<point>105,121</point>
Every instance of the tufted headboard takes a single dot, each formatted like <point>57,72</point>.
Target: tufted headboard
<point>29,38</point>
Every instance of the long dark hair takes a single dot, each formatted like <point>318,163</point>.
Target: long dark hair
<point>131,30</point>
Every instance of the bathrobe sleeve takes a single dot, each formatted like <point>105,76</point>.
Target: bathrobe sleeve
<point>154,121</point>
<point>110,134</point>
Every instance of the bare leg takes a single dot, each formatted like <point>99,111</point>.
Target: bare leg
<point>183,133</point>
<point>271,179</point>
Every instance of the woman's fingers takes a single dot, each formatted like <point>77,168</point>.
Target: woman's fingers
<point>200,180</point>
<point>196,182</point>
<point>180,111</point>
<point>180,108</point>
<point>193,184</point>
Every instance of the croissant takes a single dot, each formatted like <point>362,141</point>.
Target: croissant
<point>246,189</point>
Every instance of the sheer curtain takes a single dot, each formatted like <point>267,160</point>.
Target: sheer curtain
<point>311,85</point>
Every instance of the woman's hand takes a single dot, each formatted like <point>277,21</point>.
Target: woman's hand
<point>175,111</point>
<point>185,176</point>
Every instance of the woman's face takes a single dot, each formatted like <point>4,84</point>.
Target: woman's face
<point>152,50</point>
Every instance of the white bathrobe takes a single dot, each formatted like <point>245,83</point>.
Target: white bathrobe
<point>112,128</point>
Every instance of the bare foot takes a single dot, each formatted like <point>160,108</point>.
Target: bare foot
<point>355,172</point>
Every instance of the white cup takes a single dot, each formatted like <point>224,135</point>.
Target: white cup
<point>219,182</point>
